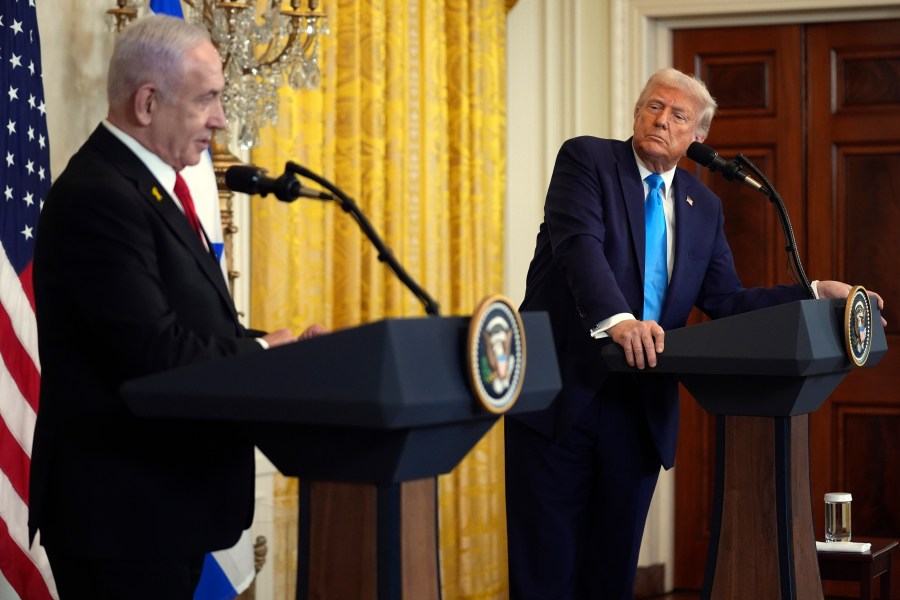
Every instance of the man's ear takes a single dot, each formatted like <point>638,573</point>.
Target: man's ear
<point>146,102</point>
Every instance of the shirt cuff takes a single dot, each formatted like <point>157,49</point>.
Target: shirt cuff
<point>599,330</point>
<point>262,343</point>
<point>815,288</point>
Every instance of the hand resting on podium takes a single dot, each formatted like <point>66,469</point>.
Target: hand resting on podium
<point>283,336</point>
<point>643,340</point>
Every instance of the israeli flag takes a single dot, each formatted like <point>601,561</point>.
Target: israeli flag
<point>201,180</point>
<point>226,573</point>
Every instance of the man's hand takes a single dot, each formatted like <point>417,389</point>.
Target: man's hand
<point>641,340</point>
<point>286,336</point>
<point>312,331</point>
<point>839,289</point>
<point>279,337</point>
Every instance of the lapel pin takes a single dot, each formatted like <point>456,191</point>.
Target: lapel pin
<point>690,200</point>
<point>156,194</point>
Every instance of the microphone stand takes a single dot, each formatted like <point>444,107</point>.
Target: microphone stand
<point>384,253</point>
<point>790,242</point>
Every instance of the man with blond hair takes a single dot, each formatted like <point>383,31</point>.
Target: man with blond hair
<point>629,245</point>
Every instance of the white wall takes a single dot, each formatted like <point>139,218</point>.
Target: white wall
<point>75,47</point>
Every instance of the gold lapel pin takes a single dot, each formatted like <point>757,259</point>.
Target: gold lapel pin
<point>156,194</point>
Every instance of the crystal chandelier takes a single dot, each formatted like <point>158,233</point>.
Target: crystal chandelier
<point>262,45</point>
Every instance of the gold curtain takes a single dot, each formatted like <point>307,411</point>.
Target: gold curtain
<point>410,122</point>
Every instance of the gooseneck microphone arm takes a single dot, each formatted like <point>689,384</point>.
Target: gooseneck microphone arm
<point>384,253</point>
<point>790,240</point>
<point>730,169</point>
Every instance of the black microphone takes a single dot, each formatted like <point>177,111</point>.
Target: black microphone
<point>731,170</point>
<point>248,179</point>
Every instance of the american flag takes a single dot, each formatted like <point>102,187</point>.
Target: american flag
<point>25,179</point>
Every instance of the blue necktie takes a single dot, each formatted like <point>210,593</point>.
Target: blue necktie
<point>656,272</point>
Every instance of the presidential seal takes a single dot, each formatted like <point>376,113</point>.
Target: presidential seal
<point>858,325</point>
<point>496,354</point>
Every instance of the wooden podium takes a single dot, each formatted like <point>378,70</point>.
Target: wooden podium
<point>761,374</point>
<point>366,418</point>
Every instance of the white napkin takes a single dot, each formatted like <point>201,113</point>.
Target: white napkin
<point>844,546</point>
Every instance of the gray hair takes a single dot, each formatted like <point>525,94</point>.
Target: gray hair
<point>690,84</point>
<point>150,50</point>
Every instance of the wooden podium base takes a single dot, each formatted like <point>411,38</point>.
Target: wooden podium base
<point>762,542</point>
<point>367,541</point>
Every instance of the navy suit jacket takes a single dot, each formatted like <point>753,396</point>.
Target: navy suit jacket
<point>124,288</point>
<point>589,265</point>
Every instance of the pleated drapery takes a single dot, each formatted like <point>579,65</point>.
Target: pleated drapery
<point>410,122</point>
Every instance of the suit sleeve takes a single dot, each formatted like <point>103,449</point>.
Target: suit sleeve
<point>576,224</point>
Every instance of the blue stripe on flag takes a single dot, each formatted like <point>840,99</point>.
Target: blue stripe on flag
<point>167,7</point>
<point>227,573</point>
<point>218,248</point>
<point>214,584</point>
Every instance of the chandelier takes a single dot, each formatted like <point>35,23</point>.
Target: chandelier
<point>262,45</point>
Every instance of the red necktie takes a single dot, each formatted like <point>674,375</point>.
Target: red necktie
<point>184,194</point>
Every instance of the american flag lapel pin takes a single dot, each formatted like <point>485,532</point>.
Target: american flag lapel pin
<point>156,194</point>
<point>690,201</point>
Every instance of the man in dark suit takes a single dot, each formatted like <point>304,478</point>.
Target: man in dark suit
<point>580,475</point>
<point>125,287</point>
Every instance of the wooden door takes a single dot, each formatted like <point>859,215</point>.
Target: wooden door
<point>853,175</point>
<point>816,108</point>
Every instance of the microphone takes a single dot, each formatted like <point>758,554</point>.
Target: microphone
<point>248,179</point>
<point>731,170</point>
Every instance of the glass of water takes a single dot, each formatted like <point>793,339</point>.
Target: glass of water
<point>837,516</point>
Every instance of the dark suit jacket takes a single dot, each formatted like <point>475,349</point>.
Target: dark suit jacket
<point>124,288</point>
<point>589,264</point>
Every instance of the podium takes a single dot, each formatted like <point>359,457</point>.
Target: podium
<point>366,418</point>
<point>761,374</point>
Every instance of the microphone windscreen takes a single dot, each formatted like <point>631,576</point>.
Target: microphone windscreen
<point>242,178</point>
<point>701,153</point>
